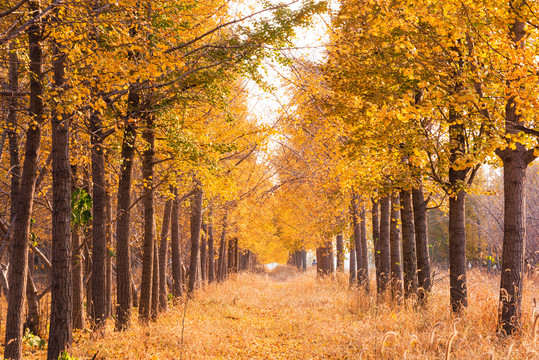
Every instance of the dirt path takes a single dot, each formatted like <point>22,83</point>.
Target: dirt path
<point>294,316</point>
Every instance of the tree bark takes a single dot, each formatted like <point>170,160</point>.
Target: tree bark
<point>18,269</point>
<point>78,280</point>
<point>363,278</point>
<point>408,244</point>
<point>175,249</point>
<point>424,282</point>
<point>353,266</point>
<point>236,255</point>
<point>395,241</point>
<point>385,254</point>
<point>155,280</point>
<point>515,163</point>
<point>145,302</point>
<point>376,240</point>
<point>14,159</point>
<point>514,235</point>
<point>124,294</point>
<point>340,254</point>
<point>60,333</point>
<point>211,251</point>
<point>196,222</point>
<point>203,259</point>
<point>33,318</point>
<point>98,308</point>
<point>221,265</point>
<point>109,257</point>
<point>163,251</point>
<point>457,225</point>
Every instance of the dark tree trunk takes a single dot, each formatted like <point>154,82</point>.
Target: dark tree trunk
<point>78,280</point>
<point>14,159</point>
<point>211,251</point>
<point>385,254</point>
<point>145,302</point>
<point>363,273</point>
<point>163,251</point>
<point>203,259</point>
<point>109,257</point>
<point>457,225</point>
<point>33,318</point>
<point>98,308</point>
<point>303,259</point>
<point>221,265</point>
<point>408,244</point>
<point>230,256</point>
<point>196,222</point>
<point>515,163</point>
<point>424,282</point>
<point>18,267</point>
<point>155,280</point>
<point>376,241</point>
<point>396,259</point>
<point>124,294</point>
<point>514,235</point>
<point>175,249</point>
<point>340,254</point>
<point>353,266</point>
<point>236,255</point>
<point>60,333</point>
<point>356,239</point>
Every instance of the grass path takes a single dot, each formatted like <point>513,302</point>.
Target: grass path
<point>286,315</point>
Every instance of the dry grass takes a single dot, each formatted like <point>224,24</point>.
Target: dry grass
<point>287,315</point>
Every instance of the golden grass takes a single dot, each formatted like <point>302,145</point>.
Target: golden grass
<point>287,315</point>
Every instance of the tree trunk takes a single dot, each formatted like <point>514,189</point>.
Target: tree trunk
<point>514,235</point>
<point>163,251</point>
<point>396,259</point>
<point>175,249</point>
<point>376,241</point>
<point>408,244</point>
<point>78,280</point>
<point>385,254</point>
<point>196,222</point>
<point>340,254</point>
<point>363,277</point>
<point>211,251</point>
<point>155,280</point>
<point>357,239</point>
<point>236,255</point>
<point>33,319</point>
<point>18,267</point>
<point>515,163</point>
<point>424,282</point>
<point>124,294</point>
<point>303,259</point>
<point>14,159</point>
<point>353,266</point>
<point>98,307</point>
<point>60,333</point>
<point>109,257</point>
<point>145,302</point>
<point>203,259</point>
<point>222,261</point>
<point>457,224</point>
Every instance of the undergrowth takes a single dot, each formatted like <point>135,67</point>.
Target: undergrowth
<point>290,315</point>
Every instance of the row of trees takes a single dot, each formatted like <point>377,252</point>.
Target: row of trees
<point>135,109</point>
<point>410,102</point>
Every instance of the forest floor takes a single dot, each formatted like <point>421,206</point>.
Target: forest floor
<point>289,315</point>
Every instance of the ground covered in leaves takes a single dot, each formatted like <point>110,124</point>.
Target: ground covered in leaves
<point>288,315</point>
